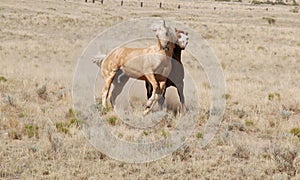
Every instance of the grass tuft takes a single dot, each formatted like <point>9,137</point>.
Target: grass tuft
<point>241,152</point>
<point>156,15</point>
<point>3,79</point>
<point>146,133</point>
<point>75,122</point>
<point>62,127</point>
<point>102,110</point>
<point>249,122</point>
<point>270,20</point>
<point>21,115</point>
<point>112,120</point>
<point>31,130</point>
<point>295,131</point>
<point>274,96</point>
<point>14,134</point>
<point>70,113</point>
<point>284,158</point>
<point>199,135</point>
<point>226,96</point>
<point>164,133</point>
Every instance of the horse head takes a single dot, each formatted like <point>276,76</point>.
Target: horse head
<point>165,35</point>
<point>182,38</point>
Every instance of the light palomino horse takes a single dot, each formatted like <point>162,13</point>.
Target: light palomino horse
<point>152,64</point>
<point>176,75</point>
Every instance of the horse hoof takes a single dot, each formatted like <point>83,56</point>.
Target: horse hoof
<point>148,104</point>
<point>146,111</point>
<point>182,111</point>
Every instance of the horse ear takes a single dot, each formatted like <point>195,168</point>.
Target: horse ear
<point>186,33</point>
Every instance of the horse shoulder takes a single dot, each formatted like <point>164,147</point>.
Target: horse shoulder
<point>152,50</point>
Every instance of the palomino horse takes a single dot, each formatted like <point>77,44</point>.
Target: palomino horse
<point>176,75</point>
<point>152,64</point>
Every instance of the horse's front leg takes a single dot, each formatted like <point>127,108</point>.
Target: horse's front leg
<point>155,93</point>
<point>181,97</point>
<point>161,100</point>
<point>149,89</point>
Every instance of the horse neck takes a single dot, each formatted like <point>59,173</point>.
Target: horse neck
<point>159,45</point>
<point>177,53</point>
<point>170,51</point>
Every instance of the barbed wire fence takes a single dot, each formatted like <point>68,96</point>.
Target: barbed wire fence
<point>185,4</point>
<point>158,4</point>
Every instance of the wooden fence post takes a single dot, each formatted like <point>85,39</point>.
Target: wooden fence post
<point>141,4</point>
<point>86,1</point>
<point>121,3</point>
<point>101,1</point>
<point>178,6</point>
<point>160,5</point>
<point>93,1</point>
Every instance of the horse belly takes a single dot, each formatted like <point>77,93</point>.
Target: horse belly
<point>164,68</point>
<point>133,70</point>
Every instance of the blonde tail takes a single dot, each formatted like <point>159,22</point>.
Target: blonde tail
<point>98,59</point>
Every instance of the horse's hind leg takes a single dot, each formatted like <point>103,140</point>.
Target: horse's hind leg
<point>119,82</point>
<point>107,84</point>
<point>181,97</point>
<point>162,99</point>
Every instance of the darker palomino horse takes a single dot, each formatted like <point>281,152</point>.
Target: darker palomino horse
<point>176,75</point>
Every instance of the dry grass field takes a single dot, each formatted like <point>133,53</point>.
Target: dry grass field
<point>258,46</point>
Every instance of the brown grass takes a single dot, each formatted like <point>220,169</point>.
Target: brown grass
<point>40,44</point>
